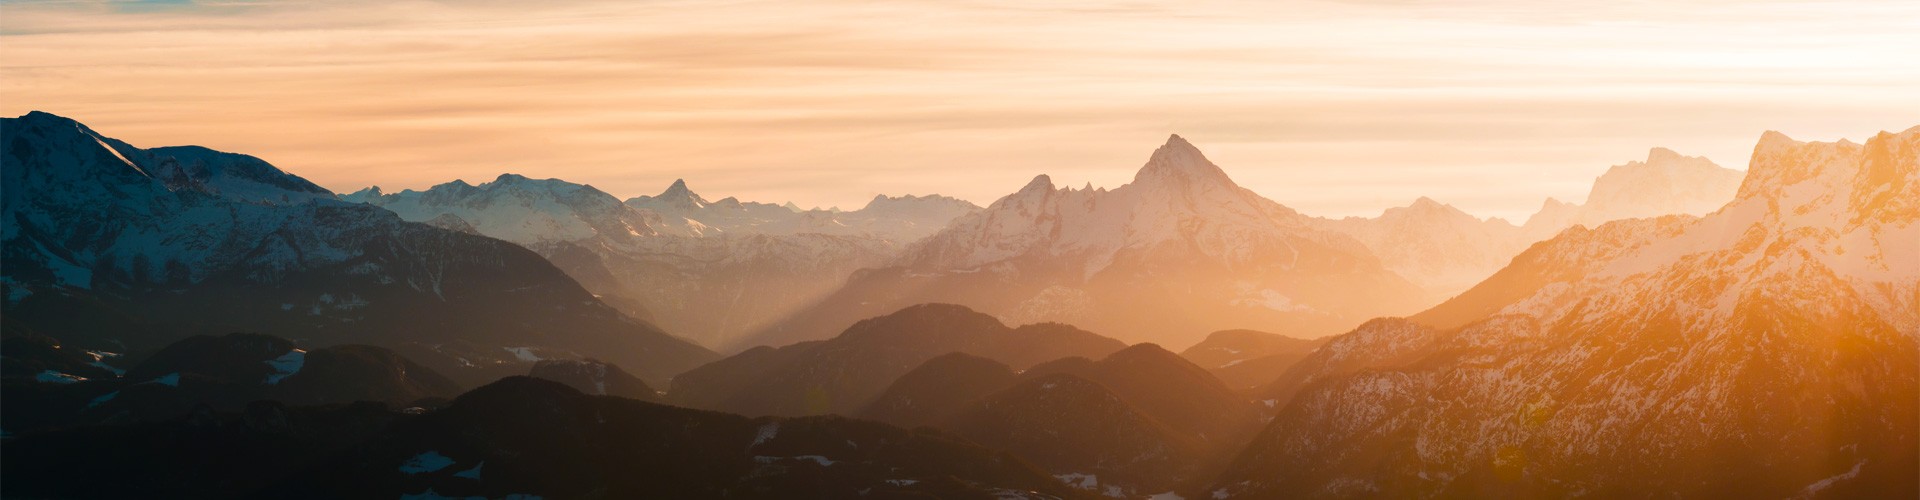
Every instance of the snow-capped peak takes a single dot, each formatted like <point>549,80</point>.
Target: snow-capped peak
<point>365,195</point>
<point>1178,195</point>
<point>1179,161</point>
<point>194,168</point>
<point>1780,161</point>
<point>680,196</point>
<point>1036,189</point>
<point>523,210</point>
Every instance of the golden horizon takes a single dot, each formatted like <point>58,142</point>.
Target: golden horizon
<point>1332,108</point>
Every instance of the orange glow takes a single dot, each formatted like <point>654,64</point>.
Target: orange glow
<point>1334,108</point>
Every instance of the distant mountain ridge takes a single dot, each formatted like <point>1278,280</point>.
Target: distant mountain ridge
<point>1179,252</point>
<point>1447,250</point>
<point>1666,183</point>
<point>709,270</point>
<point>896,219</point>
<point>1437,246</point>
<point>1245,359</point>
<point>102,254</point>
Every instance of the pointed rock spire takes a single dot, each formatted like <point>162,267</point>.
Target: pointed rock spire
<point>1179,161</point>
<point>679,187</point>
<point>1033,194</point>
<point>1771,140</point>
<point>679,195</point>
<point>1039,183</point>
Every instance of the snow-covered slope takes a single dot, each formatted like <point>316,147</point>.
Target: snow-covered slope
<point>228,175</point>
<point>102,253</point>
<point>1765,350</point>
<point>194,168</point>
<point>1179,252</point>
<point>523,210</point>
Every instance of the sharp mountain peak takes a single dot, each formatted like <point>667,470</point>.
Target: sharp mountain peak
<point>1179,160</point>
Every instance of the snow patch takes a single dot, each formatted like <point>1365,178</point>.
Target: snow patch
<point>103,399</point>
<point>54,377</point>
<point>524,354</point>
<point>473,473</point>
<point>767,432</point>
<point>169,380</point>
<point>430,461</point>
<point>1078,480</point>
<point>1270,299</point>
<point>99,361</point>
<point>286,365</point>
<point>1813,490</point>
<point>817,459</point>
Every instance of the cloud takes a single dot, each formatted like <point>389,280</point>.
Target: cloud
<point>1491,106</point>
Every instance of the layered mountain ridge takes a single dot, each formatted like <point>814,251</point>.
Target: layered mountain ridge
<point>103,254</point>
<point>896,219</point>
<point>1178,252</point>
<point>708,270</point>
<point>844,374</point>
<point>1767,349</point>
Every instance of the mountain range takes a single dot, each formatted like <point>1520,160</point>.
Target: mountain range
<point>1446,250</point>
<point>1178,252</point>
<point>1666,183</point>
<point>115,248</point>
<point>1686,331</point>
<point>1767,349</point>
<point>781,275</point>
<point>896,219</point>
<point>712,271</point>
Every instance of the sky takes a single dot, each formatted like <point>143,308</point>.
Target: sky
<point>1334,108</point>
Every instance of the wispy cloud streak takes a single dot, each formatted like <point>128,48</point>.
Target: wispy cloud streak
<point>1332,107</point>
